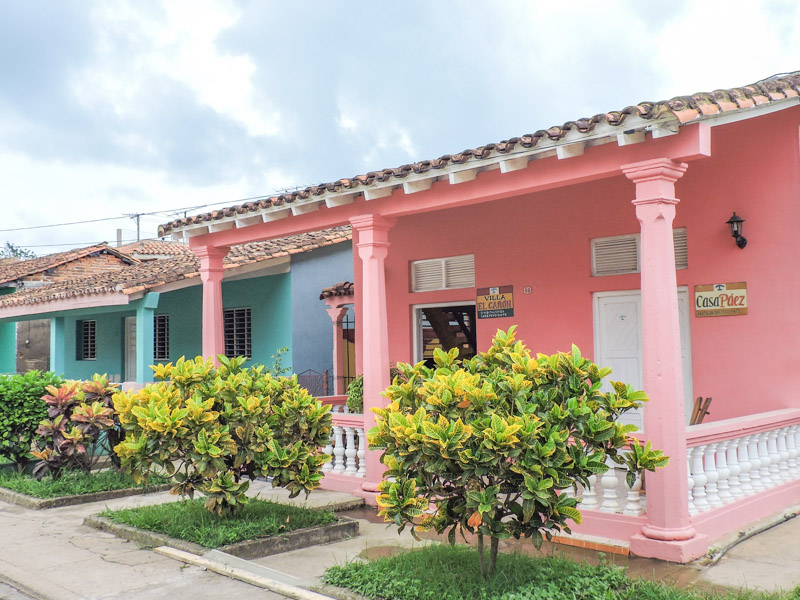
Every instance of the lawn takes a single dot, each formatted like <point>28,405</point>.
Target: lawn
<point>72,483</point>
<point>441,572</point>
<point>189,520</point>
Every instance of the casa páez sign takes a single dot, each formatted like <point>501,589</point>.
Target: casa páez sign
<point>720,299</point>
<point>495,302</point>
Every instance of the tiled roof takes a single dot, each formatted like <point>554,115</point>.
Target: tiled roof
<point>680,110</point>
<point>20,269</point>
<point>155,248</point>
<point>154,273</point>
<point>344,288</point>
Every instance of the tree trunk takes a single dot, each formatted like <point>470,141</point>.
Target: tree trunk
<point>493,555</point>
<point>481,557</point>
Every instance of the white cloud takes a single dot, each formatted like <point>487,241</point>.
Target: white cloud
<point>136,46</point>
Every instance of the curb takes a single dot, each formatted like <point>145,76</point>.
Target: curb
<point>273,585</point>
<point>34,503</point>
<point>294,540</point>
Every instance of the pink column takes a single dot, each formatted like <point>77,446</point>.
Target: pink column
<point>373,246</point>
<point>211,275</point>
<point>337,314</point>
<point>664,425</point>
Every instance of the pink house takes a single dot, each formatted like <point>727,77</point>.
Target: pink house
<point>611,233</point>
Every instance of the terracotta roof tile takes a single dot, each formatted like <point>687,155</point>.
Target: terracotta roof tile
<point>683,108</point>
<point>20,269</point>
<point>145,248</point>
<point>147,275</point>
<point>343,288</point>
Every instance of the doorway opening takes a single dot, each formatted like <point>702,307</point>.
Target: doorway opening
<point>444,326</point>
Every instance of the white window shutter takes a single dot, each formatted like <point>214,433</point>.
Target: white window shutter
<point>459,272</point>
<point>443,273</point>
<point>621,254</point>
<point>615,255</point>
<point>681,248</point>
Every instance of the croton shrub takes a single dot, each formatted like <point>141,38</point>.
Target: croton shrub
<point>80,426</point>
<point>487,445</point>
<point>213,429</point>
<point>21,410</point>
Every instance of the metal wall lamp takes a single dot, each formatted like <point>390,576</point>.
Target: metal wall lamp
<point>736,225</point>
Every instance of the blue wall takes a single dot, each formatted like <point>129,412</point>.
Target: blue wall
<point>312,334</point>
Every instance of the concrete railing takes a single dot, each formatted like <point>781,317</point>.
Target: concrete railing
<point>734,459</point>
<point>346,447</point>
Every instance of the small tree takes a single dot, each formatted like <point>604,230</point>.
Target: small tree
<point>79,427</point>
<point>488,445</point>
<point>12,251</point>
<point>216,428</point>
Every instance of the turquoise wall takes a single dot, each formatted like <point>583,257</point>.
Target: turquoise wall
<point>110,340</point>
<point>270,301</point>
<point>8,342</point>
<point>184,308</point>
<point>8,347</point>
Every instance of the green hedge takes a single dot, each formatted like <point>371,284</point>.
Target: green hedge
<point>21,410</point>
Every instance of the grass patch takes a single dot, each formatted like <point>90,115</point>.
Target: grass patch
<point>442,572</point>
<point>189,520</point>
<point>72,483</point>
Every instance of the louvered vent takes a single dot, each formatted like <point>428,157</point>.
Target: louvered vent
<point>620,254</point>
<point>443,273</point>
<point>681,248</point>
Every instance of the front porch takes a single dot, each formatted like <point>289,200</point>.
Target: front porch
<point>740,471</point>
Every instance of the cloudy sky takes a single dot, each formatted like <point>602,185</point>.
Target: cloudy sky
<point>111,108</point>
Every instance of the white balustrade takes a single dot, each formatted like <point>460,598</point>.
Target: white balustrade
<point>589,497</point>
<point>610,504</point>
<point>347,446</point>
<point>725,471</point>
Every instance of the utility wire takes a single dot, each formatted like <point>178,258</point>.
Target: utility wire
<point>167,211</point>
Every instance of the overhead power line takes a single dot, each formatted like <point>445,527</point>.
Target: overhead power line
<point>167,211</point>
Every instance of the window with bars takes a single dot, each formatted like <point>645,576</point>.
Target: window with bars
<point>161,337</point>
<point>237,333</point>
<point>87,340</point>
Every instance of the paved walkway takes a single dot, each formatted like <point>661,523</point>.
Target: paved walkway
<point>51,555</point>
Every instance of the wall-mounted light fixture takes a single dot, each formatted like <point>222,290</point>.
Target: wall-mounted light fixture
<point>736,225</point>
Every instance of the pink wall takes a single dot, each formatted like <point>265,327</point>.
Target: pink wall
<point>746,363</point>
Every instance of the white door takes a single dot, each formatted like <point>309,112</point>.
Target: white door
<point>130,349</point>
<point>618,342</point>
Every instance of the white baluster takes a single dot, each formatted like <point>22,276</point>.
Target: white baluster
<point>783,455</point>
<point>745,466</point>
<point>700,479</point>
<point>609,481</point>
<point>791,446</point>
<point>710,466</point>
<point>350,451</point>
<point>633,505</point>
<point>362,453</point>
<point>338,449</point>
<point>774,457</point>
<point>690,479</point>
<point>723,485</point>
<point>763,455</point>
<point>735,468</point>
<point>755,463</point>
<point>328,449</point>
<point>589,496</point>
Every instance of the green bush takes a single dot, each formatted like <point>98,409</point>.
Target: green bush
<point>355,391</point>
<point>216,428</point>
<point>80,426</point>
<point>21,409</point>
<point>490,442</point>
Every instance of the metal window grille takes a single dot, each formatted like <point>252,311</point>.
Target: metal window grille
<point>238,332</point>
<point>349,335</point>
<point>88,340</point>
<point>161,337</point>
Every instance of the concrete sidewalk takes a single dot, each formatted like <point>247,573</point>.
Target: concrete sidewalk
<point>51,555</point>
